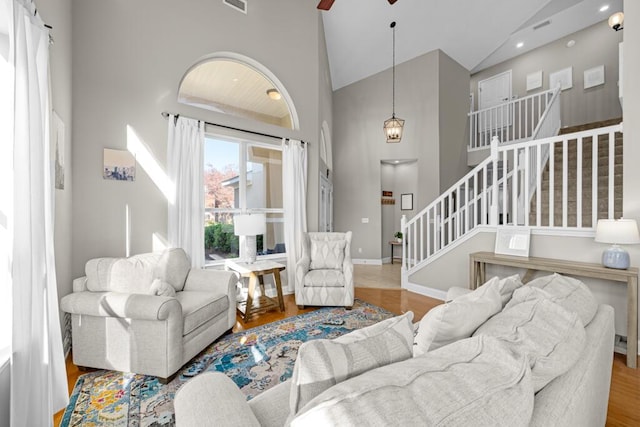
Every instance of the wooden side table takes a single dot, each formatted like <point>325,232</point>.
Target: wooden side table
<point>478,261</point>
<point>256,272</point>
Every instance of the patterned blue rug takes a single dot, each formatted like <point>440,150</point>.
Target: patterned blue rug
<point>256,359</point>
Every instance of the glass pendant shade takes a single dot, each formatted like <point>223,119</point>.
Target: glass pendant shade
<point>393,129</point>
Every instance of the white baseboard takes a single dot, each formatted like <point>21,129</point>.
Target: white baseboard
<point>387,260</point>
<point>366,261</point>
<point>428,292</point>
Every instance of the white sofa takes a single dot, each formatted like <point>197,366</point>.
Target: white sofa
<point>148,314</point>
<point>496,377</point>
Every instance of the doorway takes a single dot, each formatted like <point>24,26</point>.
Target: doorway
<point>397,178</point>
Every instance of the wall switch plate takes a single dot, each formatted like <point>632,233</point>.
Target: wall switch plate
<point>365,220</point>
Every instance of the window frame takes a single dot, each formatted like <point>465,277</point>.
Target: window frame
<point>244,143</point>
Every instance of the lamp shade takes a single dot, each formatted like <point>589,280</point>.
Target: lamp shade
<point>616,20</point>
<point>617,231</point>
<point>249,224</point>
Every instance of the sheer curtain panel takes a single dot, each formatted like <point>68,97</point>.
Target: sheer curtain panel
<point>185,159</point>
<point>294,189</point>
<point>38,375</point>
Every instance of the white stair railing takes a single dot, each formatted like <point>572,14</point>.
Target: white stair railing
<point>514,121</point>
<point>489,194</point>
<point>548,126</point>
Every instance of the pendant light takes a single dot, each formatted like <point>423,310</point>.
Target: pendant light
<point>393,126</point>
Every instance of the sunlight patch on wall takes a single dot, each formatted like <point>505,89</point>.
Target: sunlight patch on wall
<point>150,165</point>
<point>159,243</point>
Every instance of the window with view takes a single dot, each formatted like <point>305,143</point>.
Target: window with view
<point>241,177</point>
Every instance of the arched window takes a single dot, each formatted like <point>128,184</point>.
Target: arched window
<point>233,84</point>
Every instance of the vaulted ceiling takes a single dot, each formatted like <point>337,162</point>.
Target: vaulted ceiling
<point>475,33</point>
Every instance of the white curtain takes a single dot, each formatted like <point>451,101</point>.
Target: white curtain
<point>38,375</point>
<point>294,189</point>
<point>185,159</point>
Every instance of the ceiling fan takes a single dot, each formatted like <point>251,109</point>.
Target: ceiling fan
<point>326,4</point>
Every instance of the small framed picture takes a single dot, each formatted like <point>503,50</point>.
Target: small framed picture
<point>562,78</point>
<point>534,80</point>
<point>406,202</point>
<point>119,165</point>
<point>513,241</point>
<point>594,77</point>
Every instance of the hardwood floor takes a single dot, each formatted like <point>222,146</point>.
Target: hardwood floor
<point>624,398</point>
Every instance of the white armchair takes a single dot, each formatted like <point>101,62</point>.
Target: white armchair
<point>148,314</point>
<point>324,274</point>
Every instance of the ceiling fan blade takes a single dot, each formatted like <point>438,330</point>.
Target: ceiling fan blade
<point>392,1</point>
<point>326,4</point>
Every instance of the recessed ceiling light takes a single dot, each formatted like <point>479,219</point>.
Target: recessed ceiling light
<point>605,7</point>
<point>397,161</point>
<point>519,45</point>
<point>571,43</point>
<point>274,94</point>
<point>235,79</point>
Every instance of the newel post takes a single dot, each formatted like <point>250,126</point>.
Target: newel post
<point>493,215</point>
<point>403,224</point>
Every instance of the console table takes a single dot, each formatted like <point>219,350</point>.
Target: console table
<point>479,260</point>
<point>256,272</point>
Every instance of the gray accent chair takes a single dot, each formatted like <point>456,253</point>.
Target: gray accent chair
<point>324,274</point>
<point>148,314</point>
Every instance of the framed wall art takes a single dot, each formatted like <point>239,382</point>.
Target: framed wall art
<point>406,202</point>
<point>513,241</point>
<point>594,77</point>
<point>119,165</point>
<point>534,80</point>
<point>562,78</point>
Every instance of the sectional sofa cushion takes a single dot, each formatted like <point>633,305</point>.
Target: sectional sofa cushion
<point>327,254</point>
<point>133,275</point>
<point>321,364</point>
<point>472,382</point>
<point>200,307</point>
<point>566,291</point>
<point>506,286</point>
<point>458,318</point>
<point>548,336</point>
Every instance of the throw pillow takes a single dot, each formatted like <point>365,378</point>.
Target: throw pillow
<point>566,291</point>
<point>173,267</point>
<point>458,318</point>
<point>327,254</point>
<point>162,288</point>
<point>549,336</point>
<point>320,364</point>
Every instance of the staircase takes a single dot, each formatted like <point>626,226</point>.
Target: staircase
<point>602,184</point>
<point>546,184</point>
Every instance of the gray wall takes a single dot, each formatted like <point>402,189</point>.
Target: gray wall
<point>454,123</point>
<point>359,111</point>
<point>595,45</point>
<point>128,60</point>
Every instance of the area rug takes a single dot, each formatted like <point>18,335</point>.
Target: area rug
<point>256,359</point>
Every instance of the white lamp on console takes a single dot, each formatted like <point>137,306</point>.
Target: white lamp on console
<point>249,226</point>
<point>617,232</point>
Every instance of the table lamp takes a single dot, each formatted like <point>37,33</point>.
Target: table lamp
<point>617,232</point>
<point>249,226</point>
